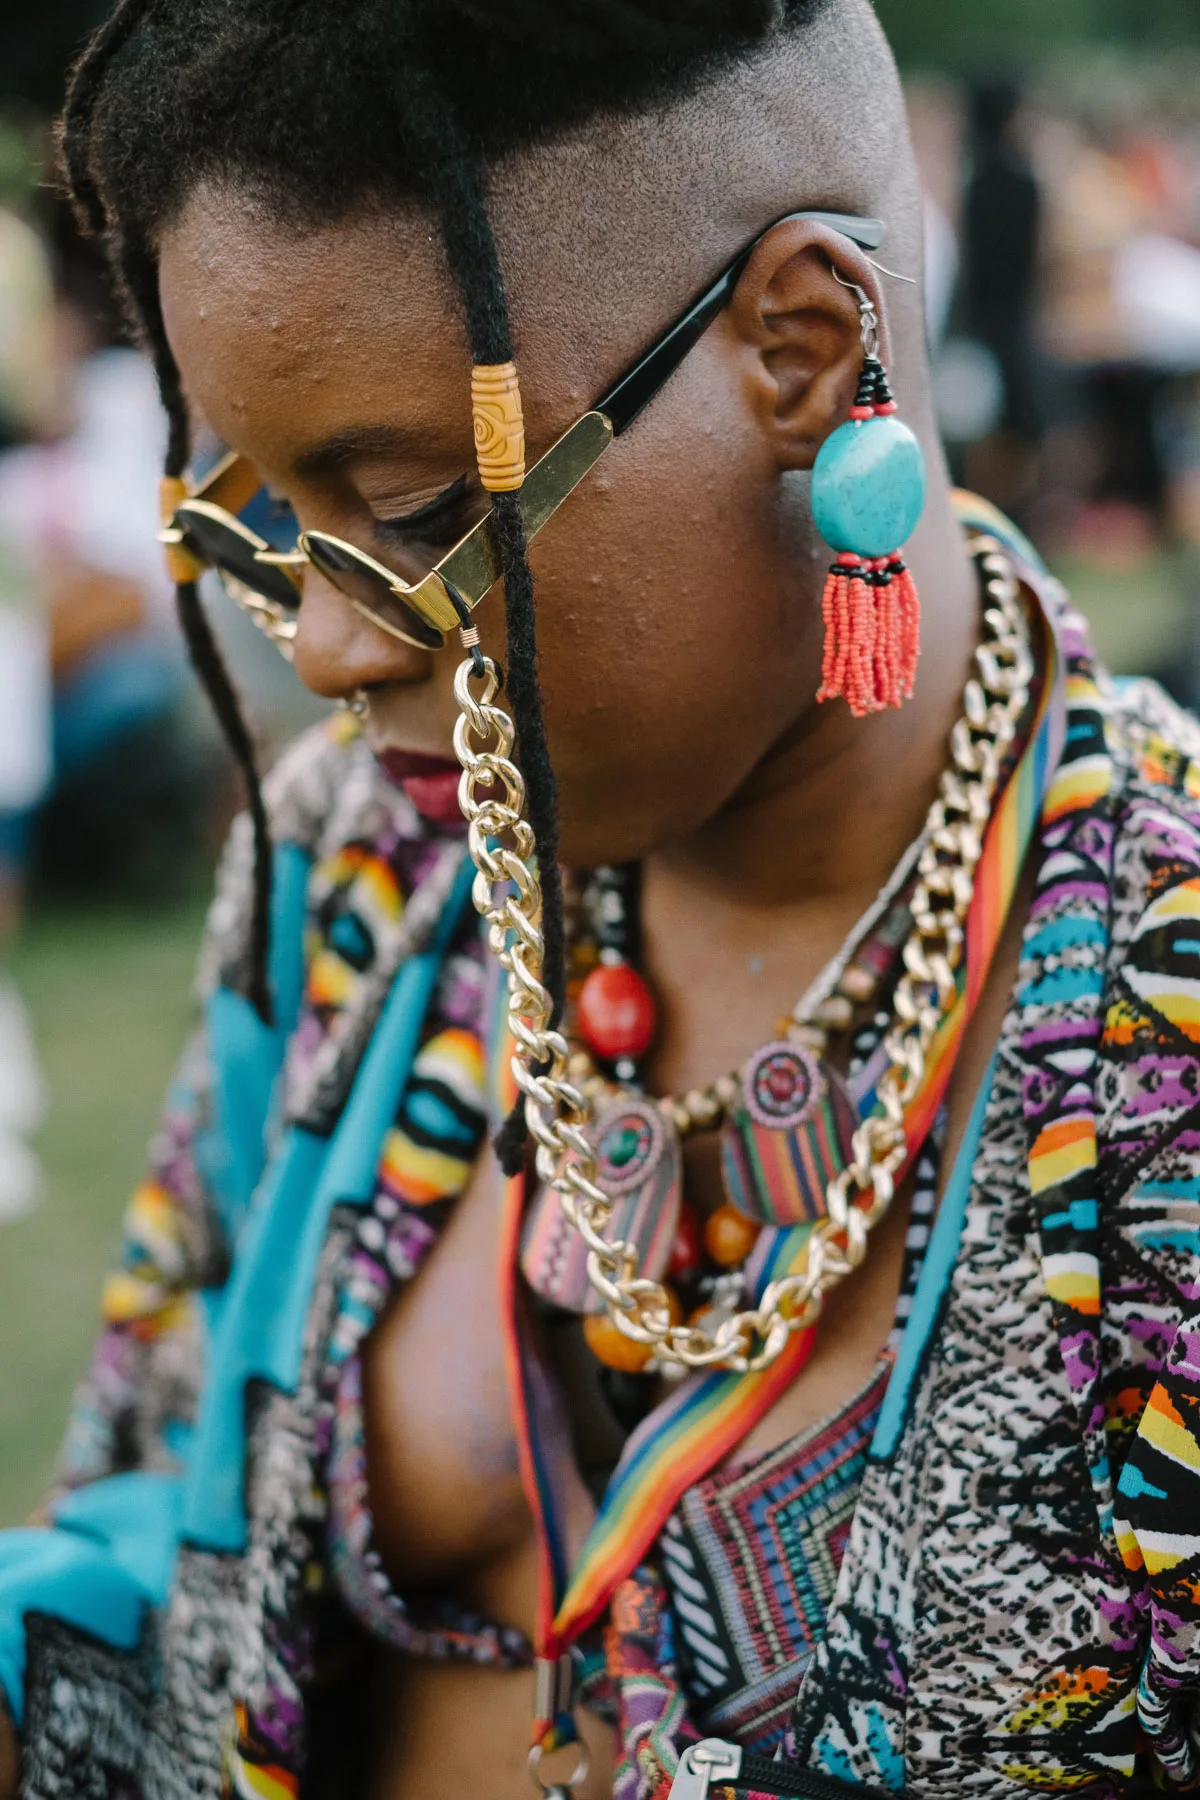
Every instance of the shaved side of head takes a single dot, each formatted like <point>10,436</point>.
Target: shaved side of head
<point>618,223</point>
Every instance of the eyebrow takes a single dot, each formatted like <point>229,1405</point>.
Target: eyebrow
<point>352,444</point>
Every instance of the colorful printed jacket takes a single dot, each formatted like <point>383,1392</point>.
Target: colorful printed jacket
<point>1018,1603</point>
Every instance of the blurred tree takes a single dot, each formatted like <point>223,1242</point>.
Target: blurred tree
<point>963,34</point>
<point>38,43</point>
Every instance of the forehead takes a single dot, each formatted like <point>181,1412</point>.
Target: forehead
<point>269,318</point>
<point>263,312</point>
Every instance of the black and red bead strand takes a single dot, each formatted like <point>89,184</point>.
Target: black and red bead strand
<point>615,1014</point>
<point>616,1017</point>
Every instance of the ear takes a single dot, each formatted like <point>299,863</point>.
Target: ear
<point>799,333</point>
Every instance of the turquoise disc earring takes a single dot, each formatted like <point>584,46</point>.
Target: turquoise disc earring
<point>868,493</point>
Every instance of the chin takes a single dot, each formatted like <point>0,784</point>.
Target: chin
<point>590,837</point>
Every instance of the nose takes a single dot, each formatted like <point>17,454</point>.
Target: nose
<point>337,650</point>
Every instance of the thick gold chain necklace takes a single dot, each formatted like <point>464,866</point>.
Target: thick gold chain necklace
<point>827,1008</point>
<point>507,893</point>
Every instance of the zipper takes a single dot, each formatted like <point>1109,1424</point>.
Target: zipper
<point>712,1760</point>
<point>721,1764</point>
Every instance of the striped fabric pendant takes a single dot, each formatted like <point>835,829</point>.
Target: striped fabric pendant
<point>787,1133</point>
<point>640,1168</point>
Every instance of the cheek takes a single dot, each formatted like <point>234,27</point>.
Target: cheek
<point>671,653</point>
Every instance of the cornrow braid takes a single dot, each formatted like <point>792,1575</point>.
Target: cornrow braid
<point>75,125</point>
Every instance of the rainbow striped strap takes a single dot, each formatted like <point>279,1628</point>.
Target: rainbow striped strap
<point>709,1414</point>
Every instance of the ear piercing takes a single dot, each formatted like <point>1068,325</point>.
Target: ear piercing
<point>868,492</point>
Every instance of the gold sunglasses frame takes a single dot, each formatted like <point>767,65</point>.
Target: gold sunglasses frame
<point>472,567</point>
<point>230,485</point>
<point>467,572</point>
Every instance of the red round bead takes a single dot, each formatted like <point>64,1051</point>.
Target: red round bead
<point>687,1252</point>
<point>615,1012</point>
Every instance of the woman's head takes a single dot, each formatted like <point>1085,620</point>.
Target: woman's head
<point>309,184</point>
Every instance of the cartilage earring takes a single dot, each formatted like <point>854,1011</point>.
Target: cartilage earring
<point>868,492</point>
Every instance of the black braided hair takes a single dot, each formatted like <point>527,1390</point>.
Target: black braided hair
<point>139,281</point>
<point>321,107</point>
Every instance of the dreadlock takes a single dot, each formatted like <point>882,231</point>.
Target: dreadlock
<point>321,108</point>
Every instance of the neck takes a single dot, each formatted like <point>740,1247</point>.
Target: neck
<point>824,818</point>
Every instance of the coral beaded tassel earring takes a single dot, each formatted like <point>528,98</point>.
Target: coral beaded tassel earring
<point>868,492</point>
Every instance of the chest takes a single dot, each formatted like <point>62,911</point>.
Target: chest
<point>444,1476</point>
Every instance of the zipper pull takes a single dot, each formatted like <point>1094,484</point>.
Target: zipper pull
<point>702,1763</point>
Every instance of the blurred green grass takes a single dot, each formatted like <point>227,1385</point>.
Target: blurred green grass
<point>110,993</point>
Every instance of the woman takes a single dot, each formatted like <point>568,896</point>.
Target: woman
<point>866,1459</point>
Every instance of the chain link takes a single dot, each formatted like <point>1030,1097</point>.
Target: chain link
<point>508,894</point>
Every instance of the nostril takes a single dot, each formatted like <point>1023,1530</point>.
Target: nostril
<point>337,650</point>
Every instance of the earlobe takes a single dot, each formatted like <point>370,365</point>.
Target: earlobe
<point>800,328</point>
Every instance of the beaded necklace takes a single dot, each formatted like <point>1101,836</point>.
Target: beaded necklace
<point>772,1174</point>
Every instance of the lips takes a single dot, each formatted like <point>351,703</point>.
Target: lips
<point>406,765</point>
<point>431,783</point>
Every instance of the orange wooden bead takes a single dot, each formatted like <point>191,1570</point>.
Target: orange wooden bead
<point>612,1347</point>
<point>616,1351</point>
<point>499,426</point>
<point>729,1236</point>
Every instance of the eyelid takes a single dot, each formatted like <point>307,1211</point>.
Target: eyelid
<point>445,502</point>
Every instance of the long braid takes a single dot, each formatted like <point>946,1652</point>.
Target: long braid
<point>456,180</point>
<point>205,655</point>
<point>138,273</point>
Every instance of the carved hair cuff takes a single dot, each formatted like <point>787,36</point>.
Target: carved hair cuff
<point>499,426</point>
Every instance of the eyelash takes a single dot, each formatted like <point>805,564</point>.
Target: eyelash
<point>440,512</point>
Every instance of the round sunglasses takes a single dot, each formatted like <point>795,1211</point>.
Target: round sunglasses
<point>268,582</point>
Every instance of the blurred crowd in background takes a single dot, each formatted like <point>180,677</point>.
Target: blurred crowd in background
<point>1063,269</point>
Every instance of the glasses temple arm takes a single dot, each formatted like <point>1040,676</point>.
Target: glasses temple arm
<point>638,385</point>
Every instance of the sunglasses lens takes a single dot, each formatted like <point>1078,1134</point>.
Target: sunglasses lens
<point>230,552</point>
<point>370,590</point>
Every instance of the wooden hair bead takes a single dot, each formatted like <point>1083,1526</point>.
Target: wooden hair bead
<point>499,426</point>
<point>182,566</point>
